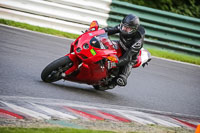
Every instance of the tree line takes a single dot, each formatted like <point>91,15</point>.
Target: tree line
<point>184,7</point>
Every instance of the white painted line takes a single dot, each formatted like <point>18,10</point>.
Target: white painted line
<point>53,112</point>
<point>27,111</point>
<point>162,122</point>
<point>156,120</point>
<point>61,102</point>
<point>134,118</point>
<point>170,60</point>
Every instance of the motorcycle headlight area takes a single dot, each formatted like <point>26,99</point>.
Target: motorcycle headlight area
<point>78,50</point>
<point>85,46</point>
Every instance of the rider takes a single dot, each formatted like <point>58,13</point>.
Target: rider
<point>131,35</point>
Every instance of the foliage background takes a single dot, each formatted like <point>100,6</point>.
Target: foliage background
<point>184,7</point>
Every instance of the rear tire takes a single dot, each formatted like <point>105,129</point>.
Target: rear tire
<point>52,72</point>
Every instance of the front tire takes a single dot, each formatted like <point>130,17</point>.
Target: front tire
<point>52,72</point>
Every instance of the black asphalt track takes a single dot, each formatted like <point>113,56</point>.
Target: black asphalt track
<point>163,85</point>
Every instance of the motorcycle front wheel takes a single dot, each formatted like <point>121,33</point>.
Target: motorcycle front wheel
<point>52,72</point>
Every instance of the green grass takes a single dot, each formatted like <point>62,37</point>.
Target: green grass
<point>153,51</point>
<point>38,29</point>
<point>175,56</point>
<point>48,130</point>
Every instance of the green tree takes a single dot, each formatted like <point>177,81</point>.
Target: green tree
<point>184,7</point>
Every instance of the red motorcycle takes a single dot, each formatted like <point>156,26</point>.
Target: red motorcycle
<point>92,60</point>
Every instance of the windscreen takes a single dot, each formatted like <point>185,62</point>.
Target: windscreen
<point>97,43</point>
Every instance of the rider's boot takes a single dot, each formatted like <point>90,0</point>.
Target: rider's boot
<point>122,78</point>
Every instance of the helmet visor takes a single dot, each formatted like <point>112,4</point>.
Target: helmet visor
<point>128,29</point>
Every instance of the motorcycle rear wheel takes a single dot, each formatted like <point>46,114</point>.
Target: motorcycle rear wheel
<point>52,72</point>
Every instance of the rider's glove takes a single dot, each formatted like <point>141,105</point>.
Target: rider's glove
<point>146,63</point>
<point>85,31</point>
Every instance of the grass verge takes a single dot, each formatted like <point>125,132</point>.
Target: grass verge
<point>153,51</point>
<point>38,29</point>
<point>48,130</point>
<point>175,56</point>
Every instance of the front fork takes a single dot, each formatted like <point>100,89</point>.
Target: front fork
<point>75,63</point>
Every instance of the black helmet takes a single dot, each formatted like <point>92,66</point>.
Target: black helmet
<point>129,25</point>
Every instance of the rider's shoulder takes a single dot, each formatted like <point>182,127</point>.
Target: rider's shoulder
<point>141,30</point>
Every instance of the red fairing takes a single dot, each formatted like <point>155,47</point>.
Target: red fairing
<point>87,72</point>
<point>86,59</point>
<point>93,60</point>
<point>93,55</point>
<point>139,60</point>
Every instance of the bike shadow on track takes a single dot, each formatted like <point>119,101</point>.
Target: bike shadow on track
<point>82,89</point>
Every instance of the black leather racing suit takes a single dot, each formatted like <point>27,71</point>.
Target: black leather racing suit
<point>130,46</point>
